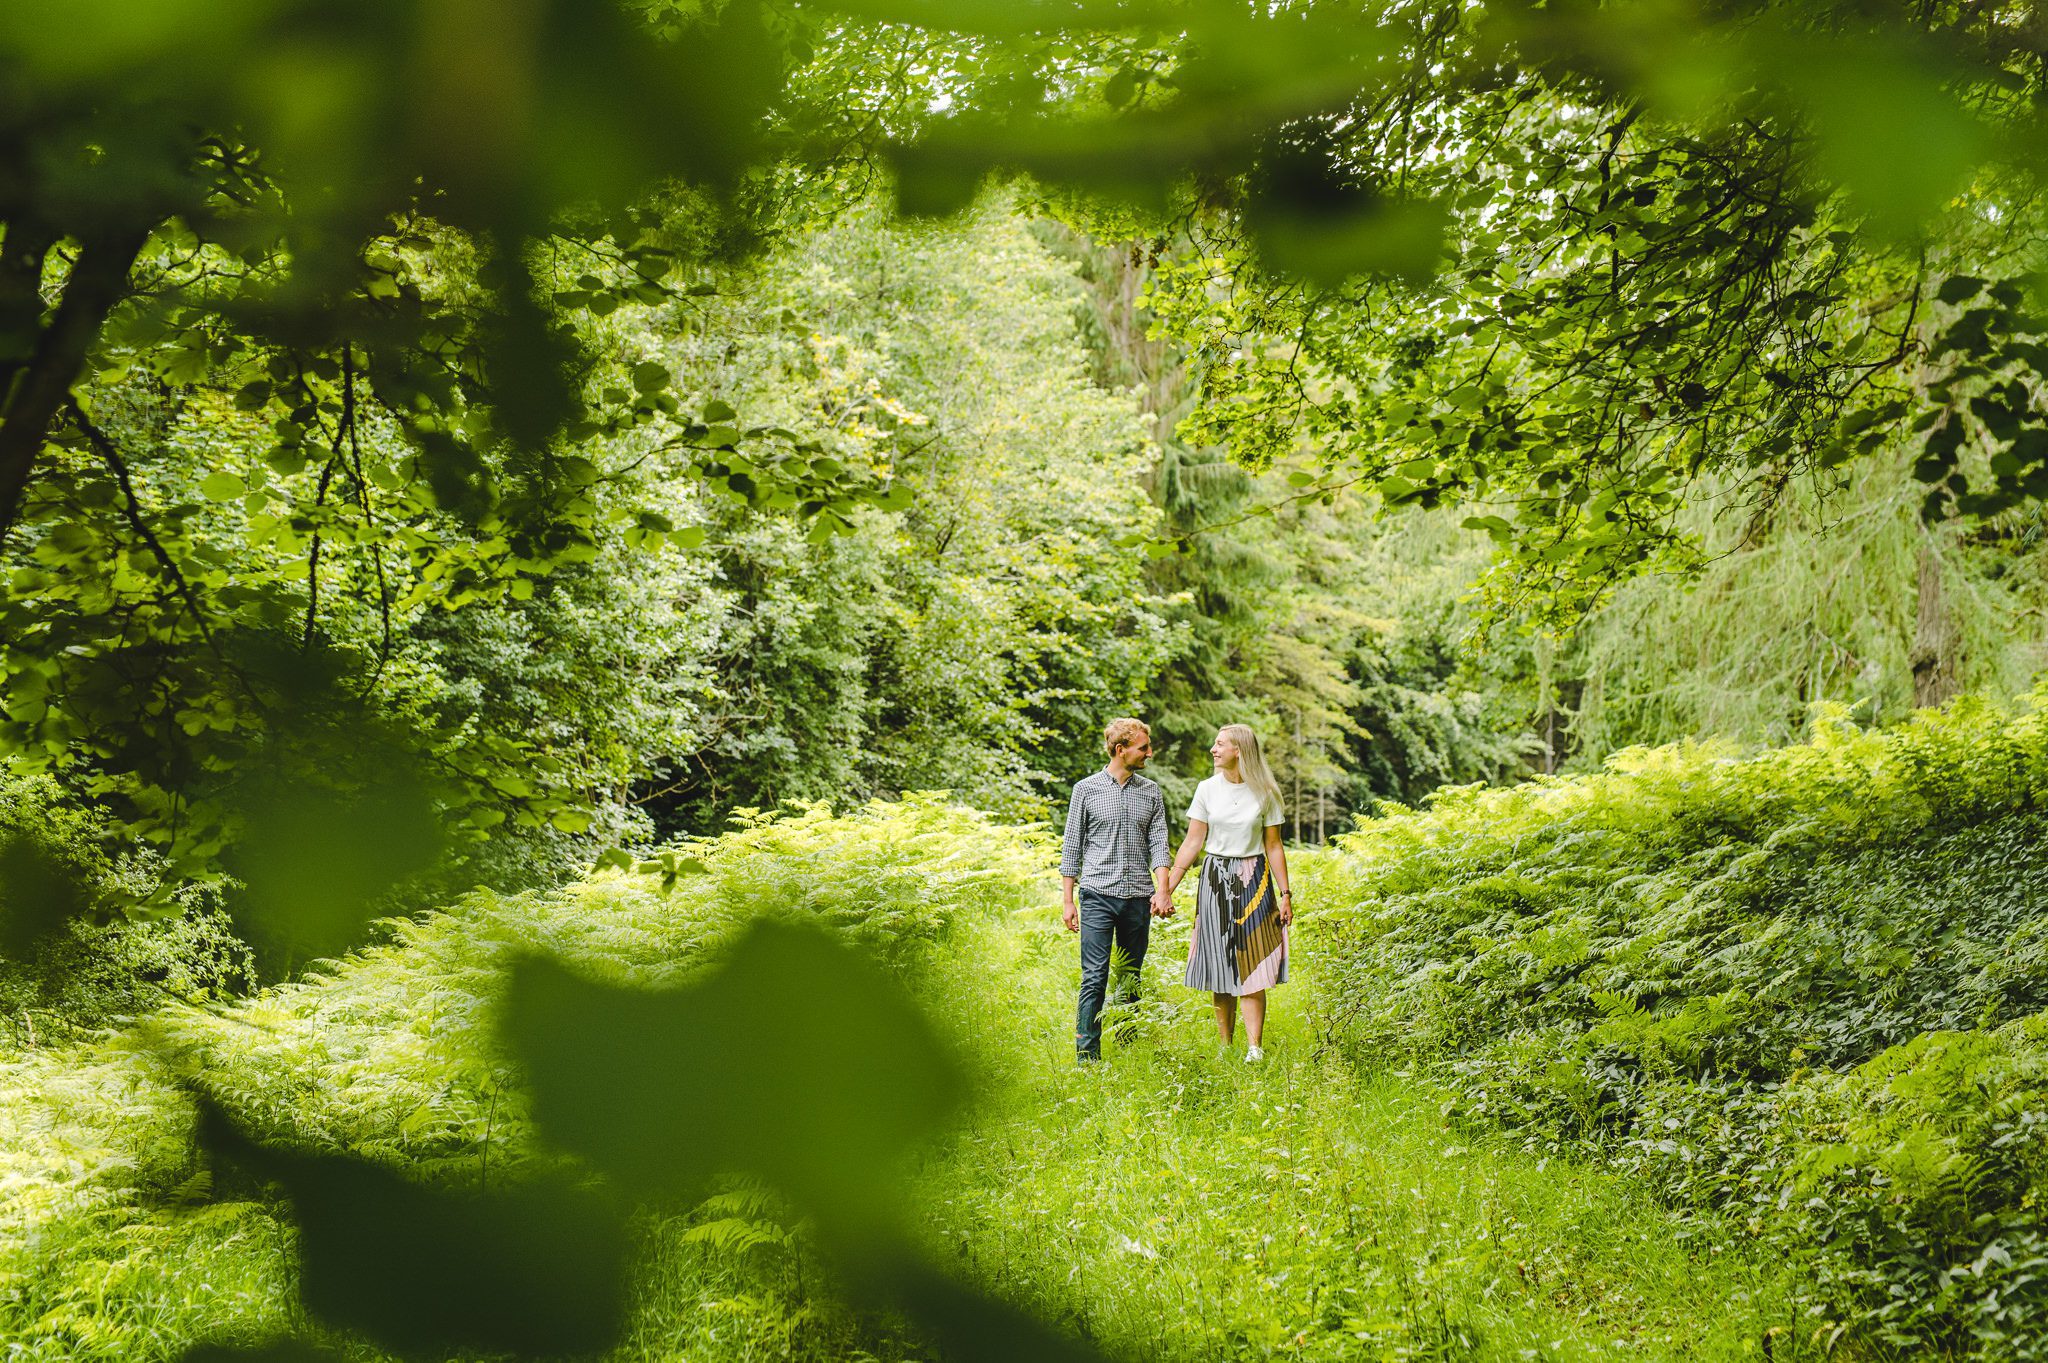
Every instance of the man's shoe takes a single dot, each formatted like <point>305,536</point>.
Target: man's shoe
<point>1254,1056</point>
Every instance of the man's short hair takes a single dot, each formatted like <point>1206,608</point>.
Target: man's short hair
<point>1121,732</point>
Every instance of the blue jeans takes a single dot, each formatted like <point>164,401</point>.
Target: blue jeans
<point>1127,921</point>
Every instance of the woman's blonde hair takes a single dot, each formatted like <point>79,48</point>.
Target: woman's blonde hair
<point>1251,766</point>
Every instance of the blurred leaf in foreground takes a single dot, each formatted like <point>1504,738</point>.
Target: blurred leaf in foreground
<point>967,1324</point>
<point>1891,130</point>
<point>38,894</point>
<point>315,861</point>
<point>1316,218</point>
<point>538,1268</point>
<point>796,1060</point>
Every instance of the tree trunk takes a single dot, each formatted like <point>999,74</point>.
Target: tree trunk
<point>28,406</point>
<point>1936,641</point>
<point>1297,773</point>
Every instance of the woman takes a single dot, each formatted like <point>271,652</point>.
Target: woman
<point>1243,906</point>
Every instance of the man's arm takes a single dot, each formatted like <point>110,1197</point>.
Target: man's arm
<point>1070,858</point>
<point>1162,897</point>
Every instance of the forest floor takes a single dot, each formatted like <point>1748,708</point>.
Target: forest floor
<point>1177,1203</point>
<point>1170,1203</point>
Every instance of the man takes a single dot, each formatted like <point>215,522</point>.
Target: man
<point>1115,850</point>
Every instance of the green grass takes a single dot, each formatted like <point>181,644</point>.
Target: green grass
<point>1169,1204</point>
<point>1174,1204</point>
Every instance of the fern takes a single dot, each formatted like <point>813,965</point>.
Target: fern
<point>390,1054</point>
<point>1809,980</point>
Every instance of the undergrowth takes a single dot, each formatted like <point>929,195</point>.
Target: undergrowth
<point>1800,991</point>
<point>113,1242</point>
<point>71,959</point>
<point>1169,1205</point>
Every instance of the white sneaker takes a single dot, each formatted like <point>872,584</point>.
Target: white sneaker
<point>1254,1055</point>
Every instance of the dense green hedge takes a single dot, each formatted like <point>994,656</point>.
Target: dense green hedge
<point>1801,989</point>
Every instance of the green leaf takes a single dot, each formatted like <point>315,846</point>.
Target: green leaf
<point>796,1060</point>
<point>314,861</point>
<point>222,487</point>
<point>1958,288</point>
<point>538,1268</point>
<point>40,893</point>
<point>650,377</point>
<point>1891,131</point>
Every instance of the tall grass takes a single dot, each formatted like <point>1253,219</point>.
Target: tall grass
<point>1175,1204</point>
<point>1168,1205</point>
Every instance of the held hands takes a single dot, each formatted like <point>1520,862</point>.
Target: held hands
<point>1162,903</point>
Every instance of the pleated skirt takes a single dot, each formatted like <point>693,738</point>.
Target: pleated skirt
<point>1239,945</point>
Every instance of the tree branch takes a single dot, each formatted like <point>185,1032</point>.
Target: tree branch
<point>131,508</point>
<point>98,281</point>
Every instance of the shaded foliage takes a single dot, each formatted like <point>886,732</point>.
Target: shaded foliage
<point>1801,990</point>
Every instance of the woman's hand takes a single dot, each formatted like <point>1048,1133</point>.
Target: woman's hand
<point>1286,909</point>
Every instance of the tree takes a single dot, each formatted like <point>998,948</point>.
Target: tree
<point>293,349</point>
<point>975,640</point>
<point>1505,258</point>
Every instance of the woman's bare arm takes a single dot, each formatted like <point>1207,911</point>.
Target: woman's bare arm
<point>1190,848</point>
<point>1276,858</point>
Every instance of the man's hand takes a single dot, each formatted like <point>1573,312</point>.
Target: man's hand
<point>1071,916</point>
<point>1162,904</point>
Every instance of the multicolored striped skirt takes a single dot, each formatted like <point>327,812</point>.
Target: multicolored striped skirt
<point>1239,945</point>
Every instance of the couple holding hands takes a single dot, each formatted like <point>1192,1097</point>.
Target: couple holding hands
<point>1114,857</point>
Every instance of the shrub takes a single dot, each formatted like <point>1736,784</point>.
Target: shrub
<point>1800,989</point>
<point>76,963</point>
<point>391,1054</point>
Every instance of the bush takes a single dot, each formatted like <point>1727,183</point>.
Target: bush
<point>1802,989</point>
<point>73,963</point>
<point>391,1054</point>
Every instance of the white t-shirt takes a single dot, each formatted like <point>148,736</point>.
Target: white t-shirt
<point>1237,826</point>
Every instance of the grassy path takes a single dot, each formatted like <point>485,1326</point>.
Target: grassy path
<point>1168,1204</point>
<point>1172,1204</point>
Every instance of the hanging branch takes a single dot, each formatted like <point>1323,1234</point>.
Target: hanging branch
<point>355,445</point>
<point>313,556</point>
<point>131,507</point>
